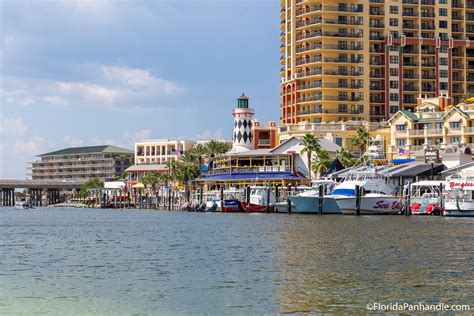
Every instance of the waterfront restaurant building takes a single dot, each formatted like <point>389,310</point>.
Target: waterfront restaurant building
<point>283,165</point>
<point>106,162</point>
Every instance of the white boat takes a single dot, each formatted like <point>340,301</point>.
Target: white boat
<point>23,205</point>
<point>378,196</point>
<point>425,197</point>
<point>459,197</point>
<point>307,202</point>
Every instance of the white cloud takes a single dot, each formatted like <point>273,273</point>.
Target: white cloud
<point>143,134</point>
<point>33,146</point>
<point>208,135</point>
<point>13,126</point>
<point>73,142</point>
<point>109,86</point>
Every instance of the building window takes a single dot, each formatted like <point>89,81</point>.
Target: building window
<point>393,84</point>
<point>443,61</point>
<point>443,12</point>
<point>401,127</point>
<point>455,139</point>
<point>443,24</point>
<point>393,9</point>
<point>443,74</point>
<point>455,125</point>
<point>393,96</point>
<point>394,72</point>
<point>342,108</point>
<point>443,86</point>
<point>393,22</point>
<point>393,109</point>
<point>401,142</point>
<point>394,59</point>
<point>439,125</point>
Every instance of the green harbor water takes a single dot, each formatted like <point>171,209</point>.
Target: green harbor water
<point>84,261</point>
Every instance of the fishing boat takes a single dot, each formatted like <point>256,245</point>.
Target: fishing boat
<point>377,195</point>
<point>23,205</point>
<point>425,197</point>
<point>260,200</point>
<point>459,197</point>
<point>307,202</point>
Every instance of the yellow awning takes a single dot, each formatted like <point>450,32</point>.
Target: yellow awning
<point>139,185</point>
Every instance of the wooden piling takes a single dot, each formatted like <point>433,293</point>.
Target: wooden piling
<point>222,198</point>
<point>269,189</point>
<point>320,199</point>
<point>358,198</point>
<point>247,199</point>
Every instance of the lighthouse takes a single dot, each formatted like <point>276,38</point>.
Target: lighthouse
<point>243,138</point>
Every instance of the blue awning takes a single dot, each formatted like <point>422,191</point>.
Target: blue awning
<point>405,160</point>
<point>252,176</point>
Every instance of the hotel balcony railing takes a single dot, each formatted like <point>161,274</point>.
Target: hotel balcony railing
<point>457,17</point>
<point>458,66</point>
<point>410,88</point>
<point>469,130</point>
<point>428,89</point>
<point>328,46</point>
<point>416,132</point>
<point>410,26</point>
<point>330,111</point>
<point>410,76</point>
<point>340,126</point>
<point>377,25</point>
<point>376,12</point>
<point>342,98</point>
<point>377,37</point>
<point>409,13</point>
<point>410,2</point>
<point>376,75</point>
<point>377,88</point>
<point>333,34</point>
<point>458,90</point>
<point>428,64</point>
<point>414,64</point>
<point>427,2</point>
<point>377,62</point>
<point>377,1</point>
<point>329,85</point>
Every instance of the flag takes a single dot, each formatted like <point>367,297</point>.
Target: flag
<point>403,152</point>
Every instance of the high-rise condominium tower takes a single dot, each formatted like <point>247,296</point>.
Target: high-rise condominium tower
<point>364,60</point>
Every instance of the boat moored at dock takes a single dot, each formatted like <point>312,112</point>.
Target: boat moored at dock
<point>459,197</point>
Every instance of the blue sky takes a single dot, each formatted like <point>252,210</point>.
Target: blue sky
<point>77,73</point>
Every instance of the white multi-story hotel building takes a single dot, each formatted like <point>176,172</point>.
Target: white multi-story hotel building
<point>158,151</point>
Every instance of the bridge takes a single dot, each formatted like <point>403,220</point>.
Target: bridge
<point>39,190</point>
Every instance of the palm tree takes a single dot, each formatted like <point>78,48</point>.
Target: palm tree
<point>151,180</point>
<point>310,145</point>
<point>321,162</point>
<point>466,97</point>
<point>361,139</point>
<point>345,157</point>
<point>124,159</point>
<point>213,148</point>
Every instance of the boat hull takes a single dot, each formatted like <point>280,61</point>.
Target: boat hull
<point>310,205</point>
<point>256,208</point>
<point>376,205</point>
<point>460,209</point>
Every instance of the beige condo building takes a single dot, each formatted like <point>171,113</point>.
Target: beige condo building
<point>365,60</point>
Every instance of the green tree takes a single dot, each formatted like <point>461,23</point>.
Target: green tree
<point>151,180</point>
<point>321,162</point>
<point>310,146</point>
<point>213,148</point>
<point>346,158</point>
<point>361,139</point>
<point>93,183</point>
<point>124,160</point>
